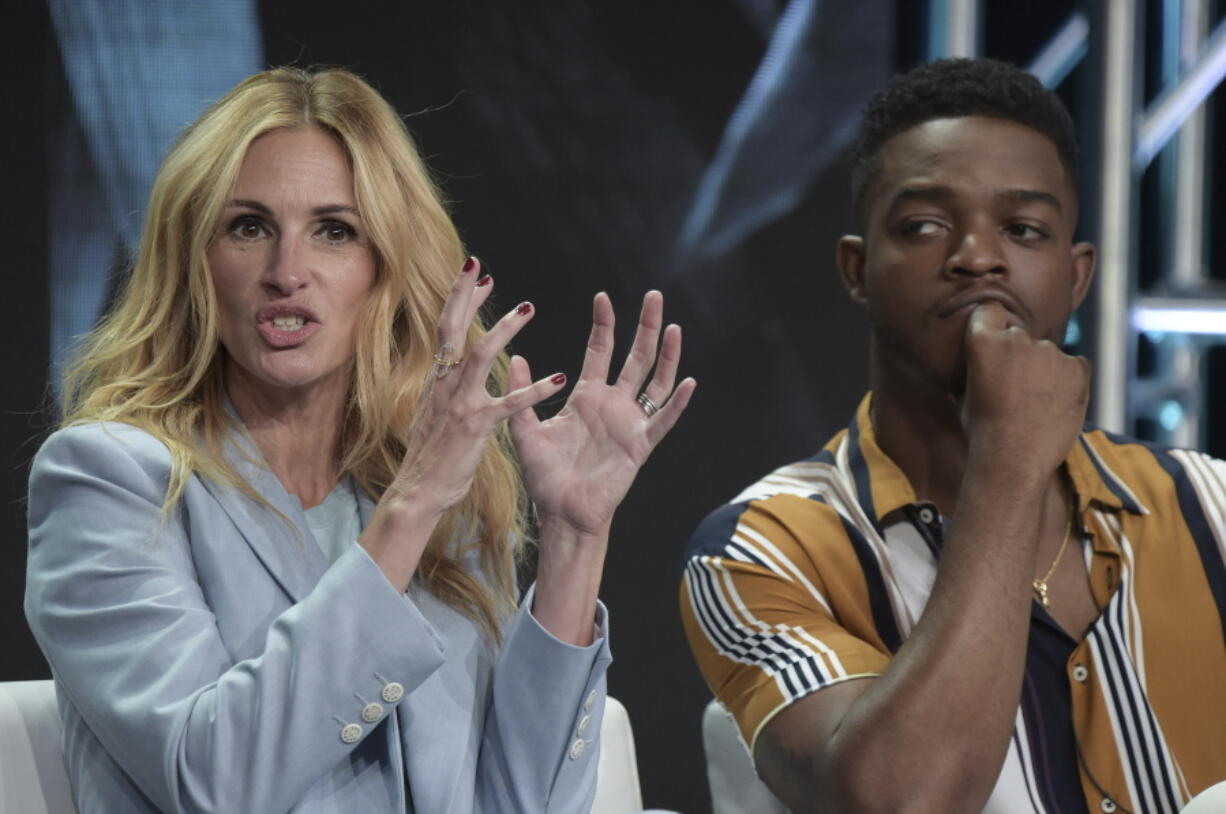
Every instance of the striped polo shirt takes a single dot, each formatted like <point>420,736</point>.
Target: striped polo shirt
<point>816,573</point>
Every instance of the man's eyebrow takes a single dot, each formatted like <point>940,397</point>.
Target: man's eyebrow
<point>1030,196</point>
<point>937,194</point>
<point>327,209</point>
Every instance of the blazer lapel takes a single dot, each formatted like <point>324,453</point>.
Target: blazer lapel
<point>287,549</point>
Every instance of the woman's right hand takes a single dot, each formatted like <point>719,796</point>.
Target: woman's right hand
<point>454,422</point>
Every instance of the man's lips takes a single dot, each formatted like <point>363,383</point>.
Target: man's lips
<point>967,300</point>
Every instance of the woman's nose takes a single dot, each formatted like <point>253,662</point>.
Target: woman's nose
<point>285,272</point>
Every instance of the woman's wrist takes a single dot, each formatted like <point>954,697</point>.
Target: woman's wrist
<point>569,569</point>
<point>556,531</point>
<point>397,534</point>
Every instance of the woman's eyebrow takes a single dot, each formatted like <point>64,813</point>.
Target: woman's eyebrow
<point>246,204</point>
<point>332,209</point>
<point>326,209</point>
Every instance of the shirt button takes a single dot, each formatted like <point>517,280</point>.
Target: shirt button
<point>584,723</point>
<point>590,702</point>
<point>927,514</point>
<point>392,692</point>
<point>1080,674</point>
<point>577,748</point>
<point>371,712</point>
<point>1107,805</point>
<point>351,733</point>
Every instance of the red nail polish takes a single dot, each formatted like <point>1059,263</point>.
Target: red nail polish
<point>559,379</point>
<point>484,281</point>
<point>470,263</point>
<point>524,308</point>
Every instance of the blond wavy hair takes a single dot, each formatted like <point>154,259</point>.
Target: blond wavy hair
<point>155,360</point>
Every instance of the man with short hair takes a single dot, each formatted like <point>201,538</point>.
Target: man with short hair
<point>967,601</point>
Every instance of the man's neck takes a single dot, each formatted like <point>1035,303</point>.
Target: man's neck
<point>922,433</point>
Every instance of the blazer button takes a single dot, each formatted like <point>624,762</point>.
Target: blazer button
<point>351,733</point>
<point>371,712</point>
<point>584,723</point>
<point>577,748</point>
<point>392,692</point>
<point>590,702</point>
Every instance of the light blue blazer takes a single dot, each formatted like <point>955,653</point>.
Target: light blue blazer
<point>216,662</point>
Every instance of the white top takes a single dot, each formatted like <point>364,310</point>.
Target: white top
<point>336,523</point>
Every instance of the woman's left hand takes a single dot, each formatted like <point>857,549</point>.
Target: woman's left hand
<point>579,464</point>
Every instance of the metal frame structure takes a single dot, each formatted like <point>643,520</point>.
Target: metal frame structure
<point>1184,312</point>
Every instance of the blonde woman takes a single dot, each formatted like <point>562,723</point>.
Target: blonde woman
<point>272,548</point>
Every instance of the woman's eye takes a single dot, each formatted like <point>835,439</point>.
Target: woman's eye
<point>337,232</point>
<point>247,228</point>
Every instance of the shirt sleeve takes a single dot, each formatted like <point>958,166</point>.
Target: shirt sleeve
<point>775,607</point>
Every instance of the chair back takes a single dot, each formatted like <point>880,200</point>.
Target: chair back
<point>617,775</point>
<point>1210,801</point>
<point>32,775</point>
<point>735,786</point>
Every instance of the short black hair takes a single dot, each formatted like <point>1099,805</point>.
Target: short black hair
<point>951,88</point>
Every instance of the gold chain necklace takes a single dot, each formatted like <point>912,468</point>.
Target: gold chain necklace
<point>1040,585</point>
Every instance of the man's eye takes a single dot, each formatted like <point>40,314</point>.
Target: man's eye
<point>920,227</point>
<point>1026,231</point>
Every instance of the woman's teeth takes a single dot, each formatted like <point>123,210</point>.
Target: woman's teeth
<point>288,323</point>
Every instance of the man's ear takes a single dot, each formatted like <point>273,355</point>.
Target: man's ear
<point>1084,256</point>
<point>849,255</point>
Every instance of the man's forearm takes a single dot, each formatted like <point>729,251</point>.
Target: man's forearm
<point>940,716</point>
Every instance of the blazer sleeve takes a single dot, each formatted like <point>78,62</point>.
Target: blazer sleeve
<point>541,744</point>
<point>114,601</point>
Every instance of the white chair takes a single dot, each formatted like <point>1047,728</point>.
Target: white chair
<point>33,779</point>
<point>32,775</point>
<point>1210,801</point>
<point>617,776</point>
<point>735,787</point>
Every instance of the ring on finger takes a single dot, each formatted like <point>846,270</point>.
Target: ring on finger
<point>647,404</point>
<point>443,363</point>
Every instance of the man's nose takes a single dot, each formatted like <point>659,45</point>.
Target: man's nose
<point>286,271</point>
<point>978,252</point>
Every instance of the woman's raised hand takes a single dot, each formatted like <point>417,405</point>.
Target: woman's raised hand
<point>579,464</point>
<point>455,419</point>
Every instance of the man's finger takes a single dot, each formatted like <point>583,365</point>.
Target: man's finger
<point>988,316</point>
